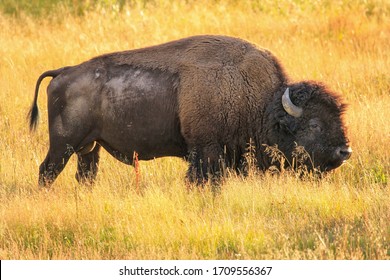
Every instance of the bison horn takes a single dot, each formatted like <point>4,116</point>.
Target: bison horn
<point>290,108</point>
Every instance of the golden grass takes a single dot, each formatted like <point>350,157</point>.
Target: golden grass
<point>344,216</point>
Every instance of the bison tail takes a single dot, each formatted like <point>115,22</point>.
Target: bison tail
<point>33,114</point>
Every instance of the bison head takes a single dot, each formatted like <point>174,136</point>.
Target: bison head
<point>309,115</point>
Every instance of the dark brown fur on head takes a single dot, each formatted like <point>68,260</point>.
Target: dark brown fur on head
<point>305,90</point>
<point>320,129</point>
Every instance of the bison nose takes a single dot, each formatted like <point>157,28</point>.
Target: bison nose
<point>343,152</point>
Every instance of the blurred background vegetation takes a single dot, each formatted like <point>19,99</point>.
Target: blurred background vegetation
<point>343,43</point>
<point>47,8</point>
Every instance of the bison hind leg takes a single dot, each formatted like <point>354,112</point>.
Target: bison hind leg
<point>53,165</point>
<point>87,165</point>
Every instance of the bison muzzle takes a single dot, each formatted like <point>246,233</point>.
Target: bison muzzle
<point>201,98</point>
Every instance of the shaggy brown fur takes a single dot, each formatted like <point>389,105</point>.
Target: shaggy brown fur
<point>211,94</point>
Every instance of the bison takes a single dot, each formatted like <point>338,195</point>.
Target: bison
<point>202,98</point>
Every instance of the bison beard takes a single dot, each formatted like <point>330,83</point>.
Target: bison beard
<point>201,98</point>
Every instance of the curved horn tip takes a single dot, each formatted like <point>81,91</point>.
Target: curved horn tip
<point>289,107</point>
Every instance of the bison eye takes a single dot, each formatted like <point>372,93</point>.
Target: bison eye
<point>315,125</point>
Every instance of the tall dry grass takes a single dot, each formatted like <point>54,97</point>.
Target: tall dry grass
<point>346,215</point>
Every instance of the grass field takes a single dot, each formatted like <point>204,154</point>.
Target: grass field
<point>344,44</point>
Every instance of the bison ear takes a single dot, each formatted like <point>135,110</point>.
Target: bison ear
<point>288,124</point>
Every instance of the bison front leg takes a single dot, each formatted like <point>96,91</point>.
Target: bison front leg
<point>206,165</point>
<point>88,165</point>
<point>196,173</point>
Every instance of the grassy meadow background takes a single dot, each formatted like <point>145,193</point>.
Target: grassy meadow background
<point>345,44</point>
